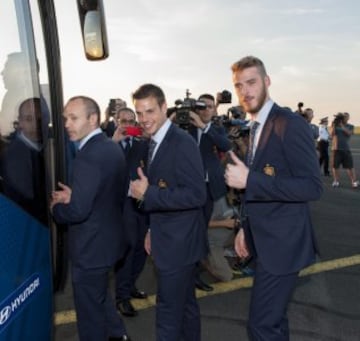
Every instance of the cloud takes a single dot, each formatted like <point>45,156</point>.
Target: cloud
<point>300,11</point>
<point>291,70</point>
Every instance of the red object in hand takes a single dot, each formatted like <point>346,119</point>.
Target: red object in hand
<point>133,131</point>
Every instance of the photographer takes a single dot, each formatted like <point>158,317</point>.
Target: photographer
<point>108,126</point>
<point>308,114</point>
<point>129,136</point>
<point>237,129</point>
<point>340,132</point>
<point>323,145</point>
<point>212,140</point>
<point>299,109</point>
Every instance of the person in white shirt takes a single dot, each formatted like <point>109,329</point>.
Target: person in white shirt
<point>323,145</point>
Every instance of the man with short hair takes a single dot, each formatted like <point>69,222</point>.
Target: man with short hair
<point>281,175</point>
<point>340,132</point>
<point>135,220</point>
<point>173,194</point>
<point>309,116</point>
<point>92,207</point>
<point>213,141</point>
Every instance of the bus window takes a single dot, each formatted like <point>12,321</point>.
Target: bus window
<point>23,117</point>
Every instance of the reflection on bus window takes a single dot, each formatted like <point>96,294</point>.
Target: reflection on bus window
<point>23,163</point>
<point>18,77</point>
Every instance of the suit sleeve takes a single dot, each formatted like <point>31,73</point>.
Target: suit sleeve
<point>300,181</point>
<point>85,186</point>
<point>219,138</point>
<point>188,189</point>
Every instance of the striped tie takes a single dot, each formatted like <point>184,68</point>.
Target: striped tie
<point>250,151</point>
<point>127,145</point>
<point>152,145</point>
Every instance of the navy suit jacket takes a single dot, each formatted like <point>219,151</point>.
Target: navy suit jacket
<point>283,178</point>
<point>174,199</point>
<point>95,210</point>
<point>212,143</point>
<point>137,157</point>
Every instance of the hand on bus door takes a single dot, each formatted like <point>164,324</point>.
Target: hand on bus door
<point>61,196</point>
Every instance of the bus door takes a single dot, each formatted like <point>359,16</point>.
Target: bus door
<point>26,310</point>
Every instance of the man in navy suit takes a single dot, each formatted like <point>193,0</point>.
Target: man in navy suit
<point>173,193</point>
<point>280,177</point>
<point>135,220</point>
<point>92,206</point>
<point>212,141</point>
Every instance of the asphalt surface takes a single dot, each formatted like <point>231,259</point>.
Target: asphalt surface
<point>326,302</point>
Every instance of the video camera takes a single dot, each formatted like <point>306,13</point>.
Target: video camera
<point>183,108</point>
<point>234,122</point>
<point>339,119</point>
<point>224,97</point>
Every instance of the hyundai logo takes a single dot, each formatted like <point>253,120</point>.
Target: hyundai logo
<point>5,314</point>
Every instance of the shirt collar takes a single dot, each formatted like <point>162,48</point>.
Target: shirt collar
<point>29,143</point>
<point>160,134</point>
<point>88,137</point>
<point>263,114</point>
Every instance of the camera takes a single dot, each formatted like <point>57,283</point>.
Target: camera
<point>234,123</point>
<point>237,113</point>
<point>134,131</point>
<point>221,120</point>
<point>182,109</point>
<point>338,119</point>
<point>224,97</point>
<point>115,104</point>
<point>112,107</point>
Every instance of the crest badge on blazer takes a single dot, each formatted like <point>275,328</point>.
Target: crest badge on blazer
<point>162,183</point>
<point>269,170</point>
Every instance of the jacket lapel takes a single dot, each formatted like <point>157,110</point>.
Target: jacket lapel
<point>265,134</point>
<point>161,151</point>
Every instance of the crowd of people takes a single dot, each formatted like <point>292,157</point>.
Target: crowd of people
<point>183,195</point>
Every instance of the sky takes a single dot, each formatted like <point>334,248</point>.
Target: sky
<point>311,50</point>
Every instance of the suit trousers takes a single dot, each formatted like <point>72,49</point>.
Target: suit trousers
<point>177,310</point>
<point>323,147</point>
<point>268,306</point>
<point>209,205</point>
<point>207,211</point>
<point>130,268</point>
<point>97,318</point>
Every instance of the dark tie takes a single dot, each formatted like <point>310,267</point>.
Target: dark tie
<point>152,145</point>
<point>127,145</point>
<point>250,151</point>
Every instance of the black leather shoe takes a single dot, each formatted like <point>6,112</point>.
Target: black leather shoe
<point>126,308</point>
<point>121,338</point>
<point>201,285</point>
<point>138,294</point>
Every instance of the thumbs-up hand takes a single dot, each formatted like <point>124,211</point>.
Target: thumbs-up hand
<point>236,172</point>
<point>138,187</point>
<point>141,174</point>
